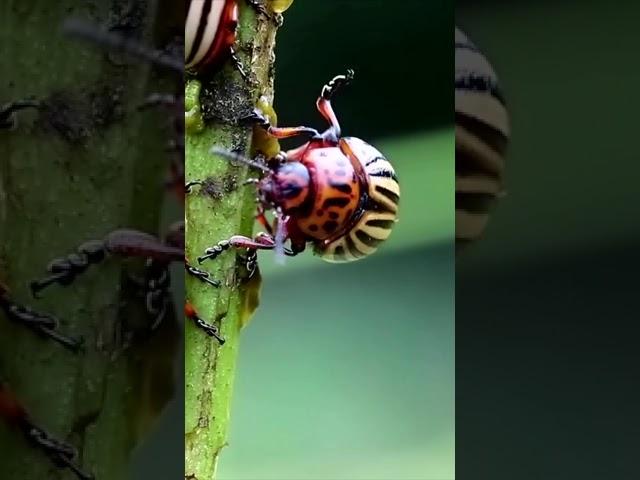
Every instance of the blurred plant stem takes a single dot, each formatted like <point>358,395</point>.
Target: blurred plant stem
<point>73,170</point>
<point>214,212</point>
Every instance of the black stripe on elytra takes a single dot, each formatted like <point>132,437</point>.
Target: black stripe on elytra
<point>485,132</point>
<point>479,83</point>
<point>353,249</point>
<point>393,197</point>
<point>202,26</point>
<point>380,223</point>
<point>467,165</point>
<point>367,239</point>
<point>385,174</point>
<point>374,160</point>
<point>466,46</point>
<point>339,252</point>
<point>475,202</point>
<point>340,202</point>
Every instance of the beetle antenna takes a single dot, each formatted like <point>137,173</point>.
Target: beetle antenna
<point>99,36</point>
<point>234,157</point>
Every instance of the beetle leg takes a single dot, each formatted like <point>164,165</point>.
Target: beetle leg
<point>240,67</point>
<point>41,323</point>
<point>189,185</point>
<point>211,330</point>
<point>324,100</point>
<point>262,241</point>
<point>64,270</point>
<point>262,219</point>
<point>288,132</point>
<point>123,242</point>
<point>59,452</point>
<point>251,263</point>
<point>157,278</point>
<point>256,117</point>
<point>8,119</point>
<point>200,274</point>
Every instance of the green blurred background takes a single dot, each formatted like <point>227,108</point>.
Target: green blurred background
<point>347,371</point>
<point>546,338</point>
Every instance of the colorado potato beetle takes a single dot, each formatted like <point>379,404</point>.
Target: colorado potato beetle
<point>337,193</point>
<point>482,134</point>
<point>210,33</point>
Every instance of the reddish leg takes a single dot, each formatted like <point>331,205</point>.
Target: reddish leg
<point>262,241</point>
<point>59,452</point>
<point>124,243</point>
<point>324,100</point>
<point>262,219</point>
<point>211,330</point>
<point>289,132</point>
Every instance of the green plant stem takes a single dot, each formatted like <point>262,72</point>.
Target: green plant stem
<point>71,173</point>
<point>226,207</point>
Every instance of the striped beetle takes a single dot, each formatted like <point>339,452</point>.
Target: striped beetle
<point>482,134</point>
<point>337,193</point>
<point>210,33</point>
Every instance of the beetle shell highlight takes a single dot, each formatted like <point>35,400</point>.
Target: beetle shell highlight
<point>482,134</point>
<point>209,33</point>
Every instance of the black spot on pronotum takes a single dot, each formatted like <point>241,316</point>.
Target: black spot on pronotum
<point>339,252</point>
<point>380,223</point>
<point>340,202</point>
<point>393,197</point>
<point>341,173</point>
<point>341,187</point>
<point>330,226</point>
<point>341,163</point>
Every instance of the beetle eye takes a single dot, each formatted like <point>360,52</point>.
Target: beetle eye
<point>290,190</point>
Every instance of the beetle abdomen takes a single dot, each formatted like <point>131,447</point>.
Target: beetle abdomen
<point>482,132</point>
<point>378,212</point>
<point>210,31</point>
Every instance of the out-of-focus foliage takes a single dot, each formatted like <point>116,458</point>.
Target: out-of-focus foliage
<point>347,371</point>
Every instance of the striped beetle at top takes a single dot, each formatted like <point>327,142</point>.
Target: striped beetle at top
<point>337,193</point>
<point>482,134</point>
<point>209,33</point>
